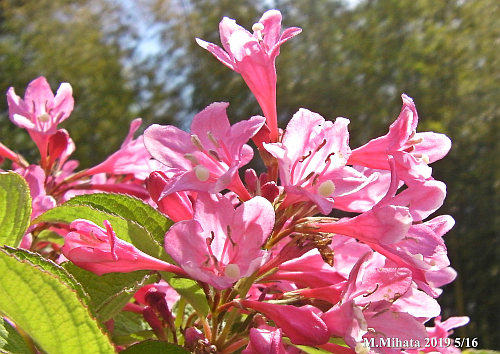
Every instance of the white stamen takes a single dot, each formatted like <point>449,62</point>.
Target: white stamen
<point>202,173</point>
<point>44,117</point>
<point>425,159</point>
<point>257,27</point>
<point>232,271</point>
<point>418,256</point>
<point>361,348</point>
<point>326,189</point>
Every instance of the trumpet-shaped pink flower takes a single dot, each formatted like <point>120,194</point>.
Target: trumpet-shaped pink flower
<point>99,250</point>
<point>253,55</point>
<point>413,150</point>
<point>221,244</point>
<point>208,159</point>
<point>312,158</point>
<point>40,112</point>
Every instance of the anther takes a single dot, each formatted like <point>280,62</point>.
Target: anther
<point>321,145</point>
<point>303,158</point>
<point>213,139</point>
<point>215,155</point>
<point>191,158</point>
<point>197,142</point>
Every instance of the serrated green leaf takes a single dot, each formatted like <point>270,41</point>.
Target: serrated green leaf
<point>11,342</point>
<point>127,230</point>
<point>110,292</point>
<point>47,265</point>
<point>155,347</point>
<point>15,208</point>
<point>48,310</point>
<point>128,207</point>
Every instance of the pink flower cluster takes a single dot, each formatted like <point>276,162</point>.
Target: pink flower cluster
<point>263,246</point>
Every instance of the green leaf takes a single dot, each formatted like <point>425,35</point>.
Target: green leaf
<point>49,310</point>
<point>192,292</point>
<point>110,292</point>
<point>130,208</point>
<point>15,208</point>
<point>125,229</point>
<point>37,260</point>
<point>130,327</point>
<point>11,342</point>
<point>155,347</point>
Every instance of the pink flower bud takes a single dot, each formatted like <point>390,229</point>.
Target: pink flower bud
<point>99,250</point>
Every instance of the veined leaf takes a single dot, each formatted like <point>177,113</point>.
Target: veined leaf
<point>49,310</point>
<point>15,208</point>
<point>110,292</point>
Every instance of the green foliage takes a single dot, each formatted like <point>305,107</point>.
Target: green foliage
<point>15,208</point>
<point>155,347</point>
<point>49,306</point>
<point>109,293</point>
<point>11,342</point>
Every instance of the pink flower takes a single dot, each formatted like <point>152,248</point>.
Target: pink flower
<point>99,250</point>
<point>366,308</point>
<point>131,158</point>
<point>413,150</point>
<point>208,159</point>
<point>312,158</point>
<point>441,333</point>
<point>41,202</point>
<point>40,112</point>
<point>253,56</point>
<point>221,244</point>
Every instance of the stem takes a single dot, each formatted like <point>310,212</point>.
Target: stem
<point>241,288</point>
<point>235,346</point>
